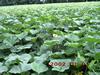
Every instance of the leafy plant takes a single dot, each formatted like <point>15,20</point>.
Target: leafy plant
<point>32,37</point>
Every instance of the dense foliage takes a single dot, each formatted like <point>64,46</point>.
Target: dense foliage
<point>14,2</point>
<point>33,36</point>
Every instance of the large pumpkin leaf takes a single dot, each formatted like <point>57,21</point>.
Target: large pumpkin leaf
<point>21,35</point>
<point>65,65</point>
<point>25,58</point>
<point>72,37</point>
<point>18,48</point>
<point>39,67</point>
<point>14,58</point>
<point>23,67</point>
<point>10,41</point>
<point>3,68</point>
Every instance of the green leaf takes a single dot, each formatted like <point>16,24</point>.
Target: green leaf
<point>21,35</point>
<point>94,21</point>
<point>4,46</point>
<point>12,59</point>
<point>97,54</point>
<point>72,37</point>
<point>91,65</point>
<point>57,37</point>
<point>57,55</point>
<point>25,58</point>
<point>28,38</point>
<point>90,38</point>
<point>74,45</point>
<point>33,74</point>
<point>23,67</point>
<point>39,67</point>
<point>51,42</point>
<point>94,73</point>
<point>61,68</point>
<point>47,45</point>
<point>79,22</point>
<point>34,31</point>
<point>70,51</point>
<point>15,69</point>
<point>42,58</point>
<point>10,41</point>
<point>18,48</point>
<point>43,49</point>
<point>2,37</point>
<point>58,32</point>
<point>47,26</point>
<point>34,39</point>
<point>79,60</point>
<point>3,68</point>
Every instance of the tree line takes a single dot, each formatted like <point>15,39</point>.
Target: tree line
<point>17,2</point>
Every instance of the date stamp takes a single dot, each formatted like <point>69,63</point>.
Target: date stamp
<point>57,63</point>
<point>61,64</point>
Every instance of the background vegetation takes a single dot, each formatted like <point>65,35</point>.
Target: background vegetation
<point>14,2</point>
